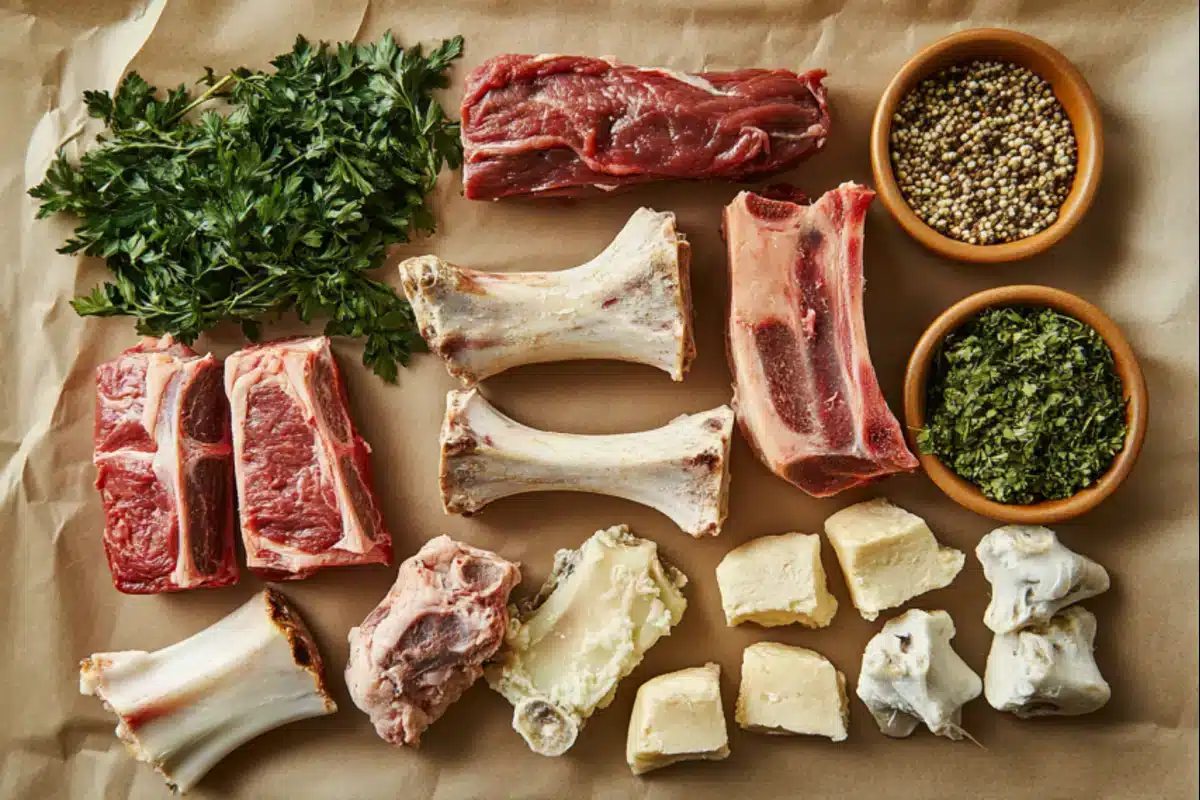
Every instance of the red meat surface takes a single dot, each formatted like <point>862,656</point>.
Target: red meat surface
<point>805,392</point>
<point>552,125</point>
<point>304,481</point>
<point>164,469</point>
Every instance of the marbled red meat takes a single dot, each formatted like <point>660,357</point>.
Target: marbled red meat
<point>554,125</point>
<point>426,641</point>
<point>806,394</point>
<point>303,473</point>
<point>164,471</point>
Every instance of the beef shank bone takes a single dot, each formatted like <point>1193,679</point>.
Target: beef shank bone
<point>185,707</point>
<point>680,469</point>
<point>630,303</point>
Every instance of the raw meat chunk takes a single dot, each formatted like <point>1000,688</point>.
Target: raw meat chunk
<point>425,643</point>
<point>303,473</point>
<point>549,124</point>
<point>806,394</point>
<point>163,468</point>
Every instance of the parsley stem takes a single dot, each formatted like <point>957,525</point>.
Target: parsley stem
<point>212,90</point>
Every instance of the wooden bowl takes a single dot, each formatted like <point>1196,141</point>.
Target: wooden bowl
<point>1130,373</point>
<point>1069,87</point>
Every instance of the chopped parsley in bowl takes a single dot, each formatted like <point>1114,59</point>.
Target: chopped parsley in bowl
<point>1025,403</point>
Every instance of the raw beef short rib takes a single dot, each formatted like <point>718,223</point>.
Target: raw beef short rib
<point>805,392</point>
<point>426,641</point>
<point>163,465</point>
<point>303,473</point>
<point>554,125</point>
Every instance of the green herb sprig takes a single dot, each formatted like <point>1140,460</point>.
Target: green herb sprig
<point>286,202</point>
<point>1026,404</point>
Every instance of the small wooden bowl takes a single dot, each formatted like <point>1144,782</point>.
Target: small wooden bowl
<point>1069,87</point>
<point>966,494</point>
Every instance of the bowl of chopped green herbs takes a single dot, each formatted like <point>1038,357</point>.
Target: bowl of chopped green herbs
<point>1025,404</point>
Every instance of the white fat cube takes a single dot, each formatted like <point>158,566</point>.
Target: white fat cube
<point>791,690</point>
<point>677,717</point>
<point>1047,669</point>
<point>888,555</point>
<point>911,674</point>
<point>1033,576</point>
<point>776,580</point>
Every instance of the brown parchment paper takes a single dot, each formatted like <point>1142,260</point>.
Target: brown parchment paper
<point>1135,254</point>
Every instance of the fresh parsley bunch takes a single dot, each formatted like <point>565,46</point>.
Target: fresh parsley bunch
<point>286,202</point>
<point>1026,404</point>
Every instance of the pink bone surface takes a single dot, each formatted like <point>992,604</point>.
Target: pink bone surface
<point>304,482</point>
<point>805,392</point>
<point>552,125</point>
<point>163,468</point>
<point>425,643</point>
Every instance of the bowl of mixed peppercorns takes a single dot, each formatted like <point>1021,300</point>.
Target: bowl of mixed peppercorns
<point>1025,404</point>
<point>987,146</point>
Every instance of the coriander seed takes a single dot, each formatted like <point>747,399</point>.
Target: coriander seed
<point>988,145</point>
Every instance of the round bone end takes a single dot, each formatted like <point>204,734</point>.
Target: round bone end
<point>546,728</point>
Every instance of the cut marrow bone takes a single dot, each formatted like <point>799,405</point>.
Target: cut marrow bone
<point>630,303</point>
<point>680,469</point>
<point>426,641</point>
<point>603,606</point>
<point>185,707</point>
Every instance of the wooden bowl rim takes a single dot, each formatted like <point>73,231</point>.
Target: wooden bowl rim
<point>1125,362</point>
<point>1066,79</point>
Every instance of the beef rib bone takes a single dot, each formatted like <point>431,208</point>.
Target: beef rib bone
<point>806,394</point>
<point>680,469</point>
<point>630,303</point>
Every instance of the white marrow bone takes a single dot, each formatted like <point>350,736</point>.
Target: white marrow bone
<point>604,605</point>
<point>1033,576</point>
<point>680,469</point>
<point>1047,669</point>
<point>630,303</point>
<point>910,674</point>
<point>185,707</point>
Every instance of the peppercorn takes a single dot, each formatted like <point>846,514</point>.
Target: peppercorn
<point>983,152</point>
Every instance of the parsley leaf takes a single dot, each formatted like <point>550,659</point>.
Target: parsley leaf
<point>1026,404</point>
<point>285,203</point>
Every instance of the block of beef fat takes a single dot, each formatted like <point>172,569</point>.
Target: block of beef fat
<point>805,391</point>
<point>426,641</point>
<point>303,473</point>
<point>163,468</point>
<point>541,125</point>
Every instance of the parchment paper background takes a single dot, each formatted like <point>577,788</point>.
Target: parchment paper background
<point>1135,255</point>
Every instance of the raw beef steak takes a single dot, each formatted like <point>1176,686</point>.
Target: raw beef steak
<point>425,643</point>
<point>163,465</point>
<point>805,391</point>
<point>554,125</point>
<point>303,473</point>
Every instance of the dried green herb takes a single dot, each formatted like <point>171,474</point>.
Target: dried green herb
<point>284,203</point>
<point>1026,404</point>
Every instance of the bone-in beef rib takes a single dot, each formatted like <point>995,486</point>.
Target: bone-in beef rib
<point>303,473</point>
<point>554,125</point>
<point>426,641</point>
<point>805,391</point>
<point>163,469</point>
